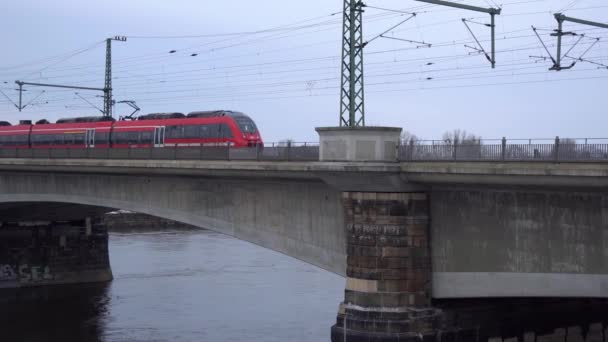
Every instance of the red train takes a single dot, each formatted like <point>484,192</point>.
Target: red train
<point>159,130</point>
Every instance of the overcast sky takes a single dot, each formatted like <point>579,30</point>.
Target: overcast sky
<point>287,78</point>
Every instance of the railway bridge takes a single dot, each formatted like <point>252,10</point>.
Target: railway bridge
<point>431,251</point>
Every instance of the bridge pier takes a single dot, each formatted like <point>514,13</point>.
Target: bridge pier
<point>43,253</point>
<point>387,296</point>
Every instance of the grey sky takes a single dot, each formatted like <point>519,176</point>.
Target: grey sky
<point>287,80</point>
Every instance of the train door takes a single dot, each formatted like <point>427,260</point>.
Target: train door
<point>159,136</point>
<point>89,138</point>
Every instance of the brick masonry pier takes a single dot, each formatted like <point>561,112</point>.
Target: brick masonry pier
<point>387,296</point>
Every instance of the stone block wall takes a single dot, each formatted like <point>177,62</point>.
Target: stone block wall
<point>48,253</point>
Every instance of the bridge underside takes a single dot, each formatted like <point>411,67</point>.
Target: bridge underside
<point>48,211</point>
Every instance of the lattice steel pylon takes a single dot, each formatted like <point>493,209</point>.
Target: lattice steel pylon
<point>352,94</point>
<point>107,89</point>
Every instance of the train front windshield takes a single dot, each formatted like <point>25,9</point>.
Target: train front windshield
<point>246,125</point>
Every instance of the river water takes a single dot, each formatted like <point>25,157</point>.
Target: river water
<point>182,286</point>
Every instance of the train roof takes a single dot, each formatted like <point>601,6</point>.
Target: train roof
<point>160,116</point>
<point>214,113</point>
<point>83,119</point>
<point>102,126</point>
<point>145,124</point>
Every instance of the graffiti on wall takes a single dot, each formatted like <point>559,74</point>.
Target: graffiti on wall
<point>7,273</point>
<point>25,273</point>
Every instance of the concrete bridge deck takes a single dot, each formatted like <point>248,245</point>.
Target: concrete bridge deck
<point>508,173</point>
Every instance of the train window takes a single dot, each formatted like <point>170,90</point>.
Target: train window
<point>129,138</point>
<point>212,131</point>
<point>133,137</point>
<point>68,139</point>
<point>174,132</point>
<point>217,131</point>
<point>58,139</point>
<point>145,137</point>
<point>47,139</point>
<point>191,132</point>
<point>78,139</point>
<point>120,138</point>
<point>225,131</point>
<point>12,140</point>
<point>205,131</point>
<point>208,131</point>
<point>102,138</point>
<point>246,124</point>
<point>42,139</point>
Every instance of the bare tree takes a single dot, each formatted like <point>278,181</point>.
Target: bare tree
<point>461,137</point>
<point>571,149</point>
<point>286,142</point>
<point>408,138</point>
<point>463,145</point>
<point>516,152</point>
<point>567,149</point>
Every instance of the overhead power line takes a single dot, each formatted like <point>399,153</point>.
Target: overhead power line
<point>206,73</point>
<point>560,33</point>
<point>493,12</point>
<point>138,61</point>
<point>75,53</point>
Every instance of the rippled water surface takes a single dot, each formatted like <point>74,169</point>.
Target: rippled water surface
<point>185,286</point>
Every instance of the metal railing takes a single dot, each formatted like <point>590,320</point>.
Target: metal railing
<point>542,150</point>
<point>556,150</point>
<point>269,152</point>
